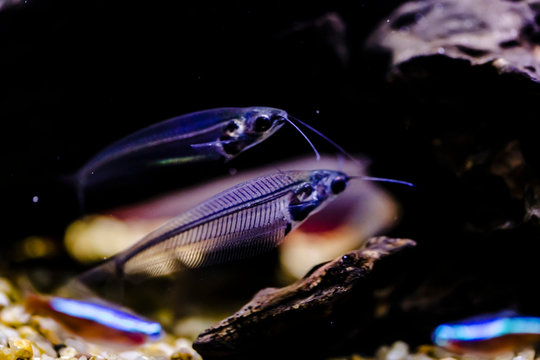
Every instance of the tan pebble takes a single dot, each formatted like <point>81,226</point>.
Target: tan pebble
<point>182,342</point>
<point>14,315</point>
<point>80,345</point>
<point>28,332</point>
<point>111,356</point>
<point>68,352</point>
<point>45,347</point>
<point>130,355</point>
<point>158,349</point>
<point>185,353</point>
<point>504,356</point>
<point>381,352</point>
<point>358,357</point>
<point>7,353</point>
<point>419,356</point>
<point>6,287</point>
<point>48,328</point>
<point>22,348</point>
<point>526,354</point>
<point>8,333</point>
<point>4,300</point>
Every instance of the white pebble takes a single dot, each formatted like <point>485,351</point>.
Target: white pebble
<point>505,356</point>
<point>4,300</point>
<point>419,356</point>
<point>5,286</point>
<point>130,355</point>
<point>158,349</point>
<point>68,352</point>
<point>8,332</point>
<point>14,315</point>
<point>182,342</point>
<point>398,351</point>
<point>46,347</point>
<point>527,354</point>
<point>76,344</point>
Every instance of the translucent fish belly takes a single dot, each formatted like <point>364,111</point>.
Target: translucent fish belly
<point>238,235</point>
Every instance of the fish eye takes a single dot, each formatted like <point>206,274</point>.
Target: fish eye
<point>261,124</point>
<point>338,185</point>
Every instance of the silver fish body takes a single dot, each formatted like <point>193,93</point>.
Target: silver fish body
<point>243,221</point>
<point>195,137</point>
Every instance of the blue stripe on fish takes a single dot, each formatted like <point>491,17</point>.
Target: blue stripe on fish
<point>111,317</point>
<point>476,330</point>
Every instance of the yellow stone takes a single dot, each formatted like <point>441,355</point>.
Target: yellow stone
<point>22,348</point>
<point>6,353</point>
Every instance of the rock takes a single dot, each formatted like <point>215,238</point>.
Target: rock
<point>502,34</point>
<point>277,320</point>
<point>14,315</point>
<point>22,348</point>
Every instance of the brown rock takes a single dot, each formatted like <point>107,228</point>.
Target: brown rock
<point>278,320</point>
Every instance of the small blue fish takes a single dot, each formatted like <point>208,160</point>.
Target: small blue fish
<point>488,334</point>
<point>95,322</point>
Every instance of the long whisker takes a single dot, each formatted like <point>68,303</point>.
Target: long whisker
<point>305,137</point>
<point>371,178</point>
<point>333,143</point>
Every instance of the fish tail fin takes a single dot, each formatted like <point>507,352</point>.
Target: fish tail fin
<point>102,279</point>
<point>35,304</point>
<point>77,183</point>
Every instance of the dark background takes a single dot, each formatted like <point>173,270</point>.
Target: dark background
<point>77,76</point>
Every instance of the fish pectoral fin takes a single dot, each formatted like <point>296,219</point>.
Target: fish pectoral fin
<point>212,144</point>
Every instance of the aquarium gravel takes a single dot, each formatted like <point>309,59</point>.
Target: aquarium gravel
<point>26,336</point>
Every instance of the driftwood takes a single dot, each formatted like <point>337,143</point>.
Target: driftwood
<point>279,319</point>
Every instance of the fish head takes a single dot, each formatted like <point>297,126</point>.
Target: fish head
<point>254,126</point>
<point>317,190</point>
<point>261,122</point>
<point>442,335</point>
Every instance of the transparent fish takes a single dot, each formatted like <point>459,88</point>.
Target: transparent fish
<point>213,134</point>
<point>96,322</point>
<point>489,334</point>
<point>363,210</point>
<point>245,220</point>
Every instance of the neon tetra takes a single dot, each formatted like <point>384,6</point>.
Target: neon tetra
<point>491,334</point>
<point>95,322</point>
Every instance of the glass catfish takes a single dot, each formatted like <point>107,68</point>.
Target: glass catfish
<point>245,220</point>
<point>206,135</point>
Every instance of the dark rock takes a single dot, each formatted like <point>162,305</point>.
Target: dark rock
<point>292,319</point>
<point>500,33</point>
